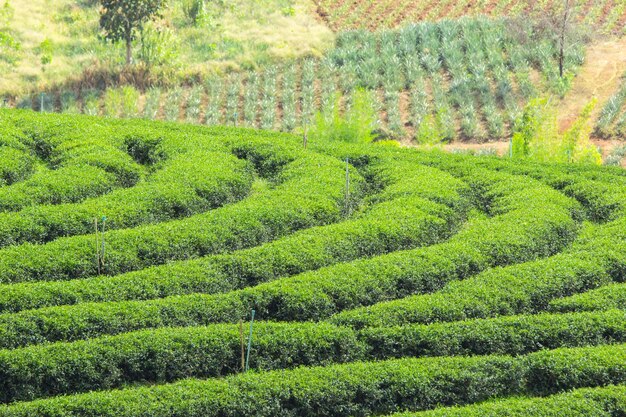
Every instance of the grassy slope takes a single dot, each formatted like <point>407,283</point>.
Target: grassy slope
<point>247,34</point>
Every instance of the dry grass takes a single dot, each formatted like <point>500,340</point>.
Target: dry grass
<point>33,22</point>
<point>250,33</point>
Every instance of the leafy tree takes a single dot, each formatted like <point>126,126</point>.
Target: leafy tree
<point>121,20</point>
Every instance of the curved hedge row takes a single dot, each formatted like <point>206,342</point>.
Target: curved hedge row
<point>503,239</point>
<point>394,221</point>
<point>68,160</point>
<point>611,296</point>
<point>297,201</point>
<point>15,165</point>
<point>176,353</point>
<point>69,184</point>
<point>597,257</point>
<point>185,186</point>
<point>512,335</point>
<point>352,389</point>
<point>590,402</point>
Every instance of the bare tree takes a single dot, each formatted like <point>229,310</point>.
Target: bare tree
<point>558,22</point>
<point>564,30</point>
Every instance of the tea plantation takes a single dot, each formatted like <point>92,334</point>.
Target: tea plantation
<point>384,281</point>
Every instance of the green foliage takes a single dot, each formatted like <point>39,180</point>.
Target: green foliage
<point>319,204</point>
<point>591,402</point>
<point>7,12</point>
<point>604,298</point>
<point>69,103</point>
<point>361,388</point>
<point>536,135</point>
<point>46,49</point>
<point>9,48</point>
<point>427,132</point>
<point>401,218</point>
<point>158,46</point>
<point>399,303</point>
<point>356,126</point>
<point>130,98</point>
<point>121,20</point>
<point>153,103</point>
<point>201,352</point>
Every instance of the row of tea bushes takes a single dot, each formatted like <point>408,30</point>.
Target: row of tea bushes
<point>397,218</point>
<point>185,186</point>
<point>214,350</point>
<point>588,402</point>
<point>595,259</point>
<point>510,237</point>
<point>361,388</point>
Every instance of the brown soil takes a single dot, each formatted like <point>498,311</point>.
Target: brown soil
<point>502,147</point>
<point>598,78</point>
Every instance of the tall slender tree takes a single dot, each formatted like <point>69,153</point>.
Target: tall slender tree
<point>122,20</point>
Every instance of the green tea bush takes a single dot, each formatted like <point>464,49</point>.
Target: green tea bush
<point>319,294</point>
<point>361,388</point>
<point>610,296</point>
<point>186,186</point>
<point>594,260</point>
<point>348,253</point>
<point>399,218</point>
<point>175,353</point>
<point>512,335</point>
<point>214,350</point>
<point>298,201</point>
<point>590,402</point>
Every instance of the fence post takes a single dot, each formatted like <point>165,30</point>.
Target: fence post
<point>347,192</point>
<point>249,343</point>
<point>243,358</point>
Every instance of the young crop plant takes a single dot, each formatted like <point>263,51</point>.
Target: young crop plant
<point>610,112</point>
<point>153,103</point>
<point>419,102</point>
<point>69,102</point>
<point>172,105</point>
<point>213,115</point>
<point>268,99</point>
<point>307,86</point>
<point>232,100</point>
<point>329,102</point>
<point>113,102</point>
<point>251,100</point>
<point>394,118</point>
<point>288,86</point>
<point>194,104</point>
<point>130,98</point>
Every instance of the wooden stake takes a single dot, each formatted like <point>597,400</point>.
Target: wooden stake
<point>347,187</point>
<point>243,350</point>
<point>97,245</point>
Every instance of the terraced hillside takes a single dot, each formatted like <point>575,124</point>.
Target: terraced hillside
<point>607,15</point>
<point>383,279</point>
<point>612,119</point>
<point>465,79</point>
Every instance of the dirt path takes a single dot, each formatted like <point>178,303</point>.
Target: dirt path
<point>599,77</point>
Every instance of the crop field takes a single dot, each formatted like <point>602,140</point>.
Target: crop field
<point>607,15</point>
<point>465,79</point>
<point>384,281</point>
<point>612,119</point>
